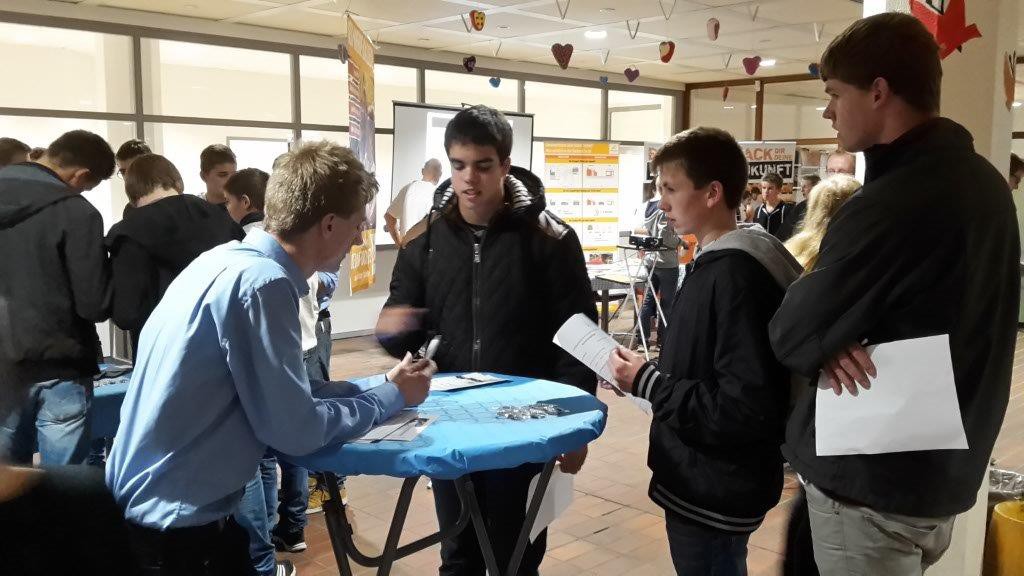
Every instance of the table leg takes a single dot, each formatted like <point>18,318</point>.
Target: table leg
<point>531,517</point>
<point>464,487</point>
<point>604,309</point>
<point>338,527</point>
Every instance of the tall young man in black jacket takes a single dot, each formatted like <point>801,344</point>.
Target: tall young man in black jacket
<point>883,275</point>
<point>718,394</point>
<point>54,287</point>
<point>495,275</point>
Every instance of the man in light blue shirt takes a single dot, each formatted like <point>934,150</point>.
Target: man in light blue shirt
<point>219,375</point>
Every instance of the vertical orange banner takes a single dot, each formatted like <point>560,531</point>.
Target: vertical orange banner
<point>362,126</point>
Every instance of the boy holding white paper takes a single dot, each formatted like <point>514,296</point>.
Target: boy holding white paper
<point>886,276</point>
<point>718,394</point>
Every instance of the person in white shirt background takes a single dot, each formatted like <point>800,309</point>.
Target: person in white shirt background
<point>413,201</point>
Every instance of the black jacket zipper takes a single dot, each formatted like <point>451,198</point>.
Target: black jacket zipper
<point>478,242</point>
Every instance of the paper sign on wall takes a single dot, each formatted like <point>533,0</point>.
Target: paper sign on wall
<point>362,126</point>
<point>582,188</point>
<point>769,157</point>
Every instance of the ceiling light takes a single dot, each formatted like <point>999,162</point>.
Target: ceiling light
<point>596,34</point>
<point>606,10</point>
<point>1018,104</point>
<point>768,62</point>
<point>423,39</point>
<point>728,107</point>
<point>753,106</point>
<point>504,27</point>
<point>820,108</point>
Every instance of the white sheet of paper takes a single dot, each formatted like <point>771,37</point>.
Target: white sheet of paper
<point>586,342</point>
<point>471,380</point>
<point>398,425</point>
<point>912,405</point>
<point>557,499</point>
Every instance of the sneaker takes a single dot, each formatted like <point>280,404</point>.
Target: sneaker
<point>288,541</point>
<point>317,495</point>
<point>286,568</point>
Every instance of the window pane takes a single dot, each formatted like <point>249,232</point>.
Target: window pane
<point>384,144</point>
<point>186,79</point>
<point>182,143</point>
<point>640,117</point>
<point>735,114</point>
<point>561,111</point>
<point>317,135</point>
<point>64,69</point>
<point>392,83</point>
<point>457,89</point>
<point>324,91</point>
<point>1018,102</point>
<point>793,110</point>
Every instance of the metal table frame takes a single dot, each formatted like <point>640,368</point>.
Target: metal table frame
<point>340,530</point>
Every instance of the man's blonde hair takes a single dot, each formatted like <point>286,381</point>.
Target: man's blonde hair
<point>312,181</point>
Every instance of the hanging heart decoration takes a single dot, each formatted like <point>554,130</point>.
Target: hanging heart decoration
<point>495,81</point>
<point>469,63</point>
<point>725,93</point>
<point>477,19</point>
<point>1009,77</point>
<point>667,50</point>
<point>814,69</point>
<point>632,73</point>
<point>713,27</point>
<point>751,64</point>
<point>562,54</point>
<point>603,80</point>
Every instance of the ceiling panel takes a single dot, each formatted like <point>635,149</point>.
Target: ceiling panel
<point>762,41</point>
<point>399,10</point>
<point>695,24</point>
<point>518,25</point>
<point>193,8</point>
<point>608,11</point>
<point>801,11</point>
<point>616,37</point>
<point>685,49</point>
<point>806,53</point>
<point>423,37</point>
<point>298,21</point>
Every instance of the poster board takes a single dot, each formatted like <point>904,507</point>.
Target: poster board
<point>362,126</point>
<point>582,180</point>
<point>768,157</point>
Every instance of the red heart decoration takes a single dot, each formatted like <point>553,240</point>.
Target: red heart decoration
<point>725,94</point>
<point>562,54</point>
<point>713,27</point>
<point>751,64</point>
<point>477,19</point>
<point>667,49</point>
<point>632,73</point>
<point>469,63</point>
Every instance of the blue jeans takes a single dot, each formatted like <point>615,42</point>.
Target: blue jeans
<point>55,419</point>
<point>252,515</point>
<point>664,281</point>
<point>294,499</point>
<point>700,551</point>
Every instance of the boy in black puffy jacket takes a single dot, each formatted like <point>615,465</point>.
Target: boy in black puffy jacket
<point>719,396</point>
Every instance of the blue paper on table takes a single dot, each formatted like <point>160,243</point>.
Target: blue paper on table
<point>469,436</point>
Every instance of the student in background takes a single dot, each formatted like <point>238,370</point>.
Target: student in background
<point>413,201</point>
<point>13,152</point>
<point>1016,171</point>
<point>54,287</point>
<point>841,163</point>
<point>875,283</point>
<point>718,394</point>
<point>663,266</point>
<point>799,211</point>
<point>244,193</point>
<point>36,153</point>
<point>824,201</point>
<point>127,154</point>
<point>162,235</point>
<point>774,213</point>
<point>216,164</point>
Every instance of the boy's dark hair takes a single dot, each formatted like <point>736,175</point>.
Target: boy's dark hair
<point>10,148</point>
<point>1016,164</point>
<point>132,149</point>
<point>893,46</point>
<point>149,172</point>
<point>813,179</point>
<point>83,149</point>
<point>773,178</point>
<point>707,155</point>
<point>483,126</point>
<point>213,155</point>
<point>250,182</point>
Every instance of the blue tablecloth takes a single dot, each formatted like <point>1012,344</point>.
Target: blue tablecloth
<point>108,395</point>
<point>468,436</point>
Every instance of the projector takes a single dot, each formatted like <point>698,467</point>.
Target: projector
<point>646,242</point>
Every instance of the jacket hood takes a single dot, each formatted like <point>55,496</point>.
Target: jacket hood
<point>176,230</point>
<point>25,189</point>
<point>524,194</point>
<point>764,247</point>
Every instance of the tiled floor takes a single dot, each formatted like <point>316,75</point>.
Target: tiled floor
<point>612,528</point>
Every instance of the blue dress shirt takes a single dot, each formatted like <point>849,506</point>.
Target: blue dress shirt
<point>219,377</point>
